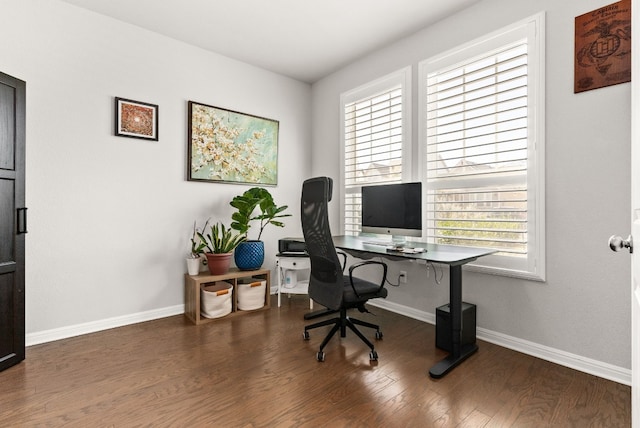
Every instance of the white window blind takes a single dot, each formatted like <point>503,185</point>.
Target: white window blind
<point>374,130</point>
<point>482,148</point>
<point>477,128</point>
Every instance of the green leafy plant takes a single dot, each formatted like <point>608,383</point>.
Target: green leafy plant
<point>220,240</point>
<point>197,245</point>
<point>246,204</point>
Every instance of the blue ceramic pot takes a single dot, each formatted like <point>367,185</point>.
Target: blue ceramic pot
<point>249,255</point>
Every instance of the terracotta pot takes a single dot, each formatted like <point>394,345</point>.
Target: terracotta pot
<point>218,264</point>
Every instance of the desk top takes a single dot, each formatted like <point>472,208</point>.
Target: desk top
<point>447,254</point>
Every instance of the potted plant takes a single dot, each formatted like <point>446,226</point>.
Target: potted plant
<point>250,254</point>
<point>218,245</point>
<point>197,250</point>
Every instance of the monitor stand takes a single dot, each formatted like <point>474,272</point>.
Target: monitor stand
<point>398,241</point>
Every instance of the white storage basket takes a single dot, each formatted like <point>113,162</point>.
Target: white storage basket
<point>251,292</point>
<point>216,300</point>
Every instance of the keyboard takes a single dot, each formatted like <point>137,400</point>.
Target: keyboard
<point>379,243</point>
<point>390,245</point>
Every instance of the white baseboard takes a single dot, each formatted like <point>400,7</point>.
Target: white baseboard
<point>94,326</point>
<point>404,310</point>
<point>567,359</point>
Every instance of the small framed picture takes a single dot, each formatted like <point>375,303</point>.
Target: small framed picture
<point>136,119</point>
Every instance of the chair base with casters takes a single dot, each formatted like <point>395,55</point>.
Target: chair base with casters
<point>341,323</point>
<point>319,314</point>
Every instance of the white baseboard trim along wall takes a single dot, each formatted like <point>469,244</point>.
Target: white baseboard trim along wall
<point>567,359</point>
<point>94,326</point>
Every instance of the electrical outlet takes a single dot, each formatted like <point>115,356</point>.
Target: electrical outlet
<point>403,276</point>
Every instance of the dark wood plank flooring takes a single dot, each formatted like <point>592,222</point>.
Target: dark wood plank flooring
<point>257,371</point>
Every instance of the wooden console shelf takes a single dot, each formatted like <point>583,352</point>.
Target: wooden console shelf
<point>194,283</point>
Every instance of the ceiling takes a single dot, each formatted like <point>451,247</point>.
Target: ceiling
<point>302,39</point>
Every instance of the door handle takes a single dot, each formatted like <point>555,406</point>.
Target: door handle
<point>616,243</point>
<point>22,220</point>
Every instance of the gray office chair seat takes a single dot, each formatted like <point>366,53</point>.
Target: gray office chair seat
<point>358,291</point>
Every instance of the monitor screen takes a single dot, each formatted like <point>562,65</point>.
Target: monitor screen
<point>392,209</point>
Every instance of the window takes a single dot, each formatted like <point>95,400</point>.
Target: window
<point>375,120</point>
<point>482,141</point>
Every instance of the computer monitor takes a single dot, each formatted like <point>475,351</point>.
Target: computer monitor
<point>392,209</point>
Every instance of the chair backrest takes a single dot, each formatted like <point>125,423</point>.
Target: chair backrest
<point>326,282</point>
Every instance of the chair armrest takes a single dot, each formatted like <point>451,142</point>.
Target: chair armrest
<point>355,266</point>
<point>344,259</point>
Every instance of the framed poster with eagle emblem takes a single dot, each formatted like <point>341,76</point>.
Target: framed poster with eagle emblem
<point>603,47</point>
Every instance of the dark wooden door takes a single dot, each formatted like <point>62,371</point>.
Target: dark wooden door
<point>13,220</point>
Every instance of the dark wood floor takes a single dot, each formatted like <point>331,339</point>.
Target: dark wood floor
<point>257,371</point>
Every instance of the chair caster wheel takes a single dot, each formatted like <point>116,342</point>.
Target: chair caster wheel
<point>373,356</point>
<point>378,335</point>
<point>320,356</point>
<point>305,335</point>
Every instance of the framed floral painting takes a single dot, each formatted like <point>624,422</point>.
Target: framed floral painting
<point>136,119</point>
<point>231,147</point>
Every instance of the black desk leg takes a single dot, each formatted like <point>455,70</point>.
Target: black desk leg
<point>458,353</point>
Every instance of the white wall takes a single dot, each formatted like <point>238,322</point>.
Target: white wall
<point>110,217</point>
<point>583,308</point>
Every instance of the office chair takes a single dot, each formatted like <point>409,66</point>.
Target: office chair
<point>328,284</point>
